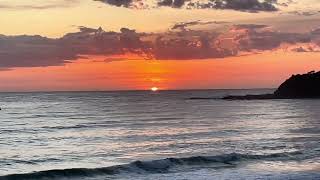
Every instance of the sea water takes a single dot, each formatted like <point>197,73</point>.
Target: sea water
<point>157,135</point>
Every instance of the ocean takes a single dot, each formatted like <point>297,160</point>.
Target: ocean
<point>157,135</point>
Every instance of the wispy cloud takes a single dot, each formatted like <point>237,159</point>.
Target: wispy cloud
<point>183,26</point>
<point>38,5</point>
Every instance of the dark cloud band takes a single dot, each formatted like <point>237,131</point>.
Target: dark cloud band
<point>239,5</point>
<point>119,3</point>
<point>181,44</point>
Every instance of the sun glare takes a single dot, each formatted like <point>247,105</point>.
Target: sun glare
<point>154,89</point>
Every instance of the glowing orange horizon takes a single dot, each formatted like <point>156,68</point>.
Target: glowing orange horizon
<point>255,71</point>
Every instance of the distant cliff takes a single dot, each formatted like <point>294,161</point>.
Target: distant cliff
<point>297,86</point>
<point>300,86</point>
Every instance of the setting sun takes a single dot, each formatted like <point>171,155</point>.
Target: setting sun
<point>154,89</point>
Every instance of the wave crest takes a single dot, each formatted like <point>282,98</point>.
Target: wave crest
<point>154,166</point>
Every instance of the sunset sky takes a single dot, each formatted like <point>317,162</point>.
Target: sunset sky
<point>49,45</point>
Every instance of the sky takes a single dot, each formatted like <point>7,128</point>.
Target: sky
<point>88,45</point>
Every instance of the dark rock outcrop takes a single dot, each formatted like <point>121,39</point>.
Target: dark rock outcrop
<point>296,87</point>
<point>300,86</point>
<point>250,97</point>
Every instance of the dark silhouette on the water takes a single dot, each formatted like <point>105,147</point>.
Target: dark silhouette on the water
<point>250,97</point>
<point>296,87</point>
<point>300,86</point>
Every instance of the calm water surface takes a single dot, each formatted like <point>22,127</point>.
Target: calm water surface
<point>157,135</point>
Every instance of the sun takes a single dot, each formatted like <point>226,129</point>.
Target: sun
<point>154,89</point>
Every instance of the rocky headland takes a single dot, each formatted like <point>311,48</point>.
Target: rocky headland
<point>298,86</point>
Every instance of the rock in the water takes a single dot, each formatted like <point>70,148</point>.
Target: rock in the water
<point>250,97</point>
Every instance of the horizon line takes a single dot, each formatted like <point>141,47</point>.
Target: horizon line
<point>133,90</point>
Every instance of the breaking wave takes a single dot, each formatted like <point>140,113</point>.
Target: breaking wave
<point>154,166</point>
